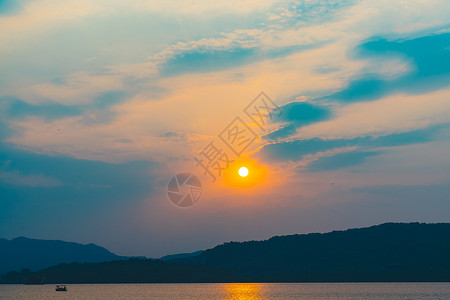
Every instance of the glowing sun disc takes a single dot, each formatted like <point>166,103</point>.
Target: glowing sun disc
<point>243,171</point>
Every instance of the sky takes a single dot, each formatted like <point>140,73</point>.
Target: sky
<point>103,102</point>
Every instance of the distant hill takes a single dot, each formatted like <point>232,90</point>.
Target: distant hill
<point>124,271</point>
<point>22,252</point>
<point>175,257</point>
<point>387,252</point>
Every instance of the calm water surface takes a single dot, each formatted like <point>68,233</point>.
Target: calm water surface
<point>232,291</point>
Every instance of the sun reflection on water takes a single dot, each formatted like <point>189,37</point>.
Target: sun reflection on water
<point>243,291</point>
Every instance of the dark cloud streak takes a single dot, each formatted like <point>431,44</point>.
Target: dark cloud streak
<point>297,149</point>
<point>428,56</point>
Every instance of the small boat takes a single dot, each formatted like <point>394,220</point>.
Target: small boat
<point>61,288</point>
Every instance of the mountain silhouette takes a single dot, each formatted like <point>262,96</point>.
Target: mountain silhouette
<point>383,253</point>
<point>387,252</point>
<point>122,271</point>
<point>34,254</point>
<point>176,257</point>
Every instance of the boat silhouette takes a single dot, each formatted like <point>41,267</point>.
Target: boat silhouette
<point>61,288</point>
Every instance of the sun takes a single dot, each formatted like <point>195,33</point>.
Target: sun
<point>243,171</point>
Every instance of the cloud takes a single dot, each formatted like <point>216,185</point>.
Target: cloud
<point>341,160</point>
<point>298,114</point>
<point>63,197</point>
<point>406,193</point>
<point>382,116</point>
<point>201,7</point>
<point>299,12</point>
<point>100,110</point>
<point>75,172</point>
<point>53,189</point>
<point>5,131</point>
<point>35,16</point>
<point>79,88</point>
<point>241,46</point>
<point>8,7</point>
<point>15,178</point>
<point>97,112</point>
<point>205,60</point>
<point>296,150</point>
<point>191,62</point>
<point>430,68</point>
<point>17,108</point>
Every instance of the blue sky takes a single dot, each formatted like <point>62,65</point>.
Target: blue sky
<point>102,102</point>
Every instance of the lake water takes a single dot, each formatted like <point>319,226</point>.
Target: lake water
<point>248,291</point>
